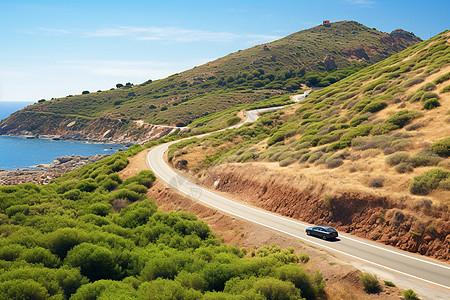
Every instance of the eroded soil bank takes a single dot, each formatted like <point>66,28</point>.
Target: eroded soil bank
<point>418,226</point>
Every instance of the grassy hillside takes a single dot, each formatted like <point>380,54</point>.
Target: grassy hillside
<point>388,106</point>
<point>316,57</point>
<point>90,235</point>
<point>381,135</point>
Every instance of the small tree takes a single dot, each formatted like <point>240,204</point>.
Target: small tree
<point>85,92</point>
<point>119,85</point>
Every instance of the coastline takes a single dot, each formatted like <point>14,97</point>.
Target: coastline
<point>105,141</point>
<point>44,173</point>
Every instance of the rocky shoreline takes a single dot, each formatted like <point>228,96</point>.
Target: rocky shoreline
<point>44,173</point>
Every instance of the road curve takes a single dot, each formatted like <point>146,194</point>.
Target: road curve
<point>379,256</point>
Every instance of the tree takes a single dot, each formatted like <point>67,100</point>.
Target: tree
<point>85,92</point>
<point>119,85</point>
<point>95,262</point>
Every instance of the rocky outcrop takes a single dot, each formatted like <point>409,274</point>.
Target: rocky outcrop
<point>43,174</point>
<point>105,129</point>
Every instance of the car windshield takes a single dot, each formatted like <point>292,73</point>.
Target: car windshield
<point>330,229</point>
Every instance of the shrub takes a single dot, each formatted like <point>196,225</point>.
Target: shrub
<point>357,120</point>
<point>334,163</point>
<point>441,147</point>
<point>410,295</point>
<point>428,87</point>
<point>370,283</point>
<point>425,159</point>
<point>299,278</point>
<point>442,78</point>
<point>427,181</point>
<point>374,106</point>
<point>271,288</point>
<point>396,121</point>
<point>126,194</point>
<point>414,81</point>
<point>431,103</point>
<point>233,121</point>
<point>415,126</point>
<point>95,262</point>
<point>376,182</point>
<point>304,257</point>
<point>360,130</point>
<point>72,194</point>
<point>287,161</point>
<point>87,185</point>
<point>389,283</point>
<point>100,209</point>
<point>445,184</point>
<point>404,168</point>
<point>315,156</point>
<point>396,158</point>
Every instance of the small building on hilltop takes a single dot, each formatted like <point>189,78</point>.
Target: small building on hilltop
<point>326,23</point>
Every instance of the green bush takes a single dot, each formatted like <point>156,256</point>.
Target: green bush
<point>396,121</point>
<point>410,295</point>
<point>233,121</point>
<point>431,103</point>
<point>425,159</point>
<point>95,262</point>
<point>441,147</point>
<point>87,185</point>
<point>370,283</point>
<point>374,106</point>
<point>360,130</point>
<point>389,283</point>
<point>428,181</point>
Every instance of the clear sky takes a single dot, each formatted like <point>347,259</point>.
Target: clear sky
<point>56,48</point>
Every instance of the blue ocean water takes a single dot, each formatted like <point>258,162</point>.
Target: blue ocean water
<point>17,153</point>
<point>8,107</point>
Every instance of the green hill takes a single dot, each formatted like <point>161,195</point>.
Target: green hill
<point>316,57</point>
<point>90,235</point>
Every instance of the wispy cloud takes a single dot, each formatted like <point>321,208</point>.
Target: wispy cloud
<point>362,3</point>
<point>47,31</point>
<point>54,31</point>
<point>175,34</point>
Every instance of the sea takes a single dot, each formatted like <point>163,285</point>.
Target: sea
<point>19,153</point>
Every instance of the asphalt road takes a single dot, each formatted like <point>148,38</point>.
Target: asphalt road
<point>389,259</point>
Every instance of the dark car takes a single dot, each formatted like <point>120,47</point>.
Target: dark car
<point>324,232</point>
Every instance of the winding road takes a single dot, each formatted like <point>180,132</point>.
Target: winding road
<point>421,273</point>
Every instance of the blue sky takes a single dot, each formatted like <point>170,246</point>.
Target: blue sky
<point>56,48</point>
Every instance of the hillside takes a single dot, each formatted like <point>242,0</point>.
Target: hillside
<point>318,56</point>
<point>368,154</point>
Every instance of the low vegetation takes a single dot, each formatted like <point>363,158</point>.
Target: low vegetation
<point>371,112</point>
<point>90,235</point>
<point>370,283</point>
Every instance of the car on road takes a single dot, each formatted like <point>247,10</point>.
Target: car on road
<point>321,231</point>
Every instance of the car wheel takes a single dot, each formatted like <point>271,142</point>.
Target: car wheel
<point>324,237</point>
